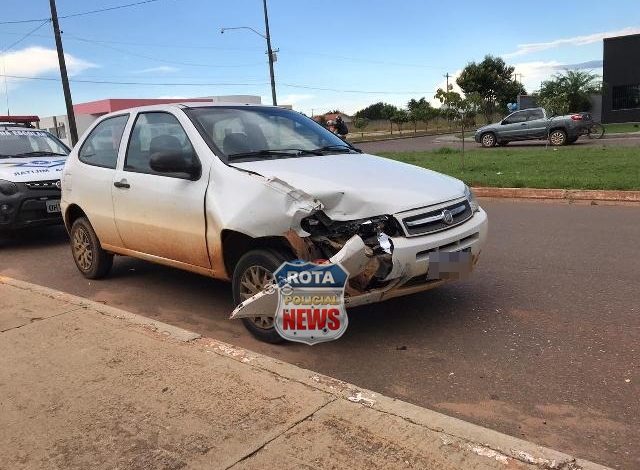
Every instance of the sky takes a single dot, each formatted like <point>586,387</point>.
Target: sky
<point>342,55</point>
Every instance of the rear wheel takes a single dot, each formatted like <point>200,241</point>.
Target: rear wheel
<point>596,131</point>
<point>252,273</point>
<point>91,260</point>
<point>488,140</point>
<point>557,137</point>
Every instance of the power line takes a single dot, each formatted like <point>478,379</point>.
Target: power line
<point>90,12</point>
<point>110,82</point>
<point>157,59</point>
<point>289,85</point>
<point>366,92</point>
<point>24,37</point>
<point>117,7</point>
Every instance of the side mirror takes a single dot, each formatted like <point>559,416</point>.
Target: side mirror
<point>171,161</point>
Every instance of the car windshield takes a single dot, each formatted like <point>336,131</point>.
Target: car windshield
<point>29,143</point>
<point>259,133</point>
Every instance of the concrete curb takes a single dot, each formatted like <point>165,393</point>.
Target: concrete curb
<point>467,436</point>
<point>174,332</point>
<point>562,194</point>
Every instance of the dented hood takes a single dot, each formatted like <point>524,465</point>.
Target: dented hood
<point>352,186</point>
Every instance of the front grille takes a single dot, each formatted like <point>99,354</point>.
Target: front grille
<point>437,219</point>
<point>50,184</point>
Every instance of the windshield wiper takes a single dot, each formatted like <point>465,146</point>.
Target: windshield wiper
<point>337,147</point>
<point>39,153</point>
<point>274,153</point>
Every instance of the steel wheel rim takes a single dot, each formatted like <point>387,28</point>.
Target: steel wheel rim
<point>82,250</point>
<point>487,140</point>
<point>252,281</point>
<point>556,138</point>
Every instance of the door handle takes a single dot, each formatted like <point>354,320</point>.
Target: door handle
<point>122,184</point>
<point>523,124</point>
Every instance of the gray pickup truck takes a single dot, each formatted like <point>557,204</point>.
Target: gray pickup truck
<point>534,124</point>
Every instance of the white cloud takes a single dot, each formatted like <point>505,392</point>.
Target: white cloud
<point>36,61</point>
<point>160,69</point>
<point>524,49</point>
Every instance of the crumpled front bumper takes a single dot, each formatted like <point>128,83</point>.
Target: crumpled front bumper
<point>410,260</point>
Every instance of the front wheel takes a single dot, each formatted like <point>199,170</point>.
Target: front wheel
<point>557,137</point>
<point>91,260</point>
<point>252,273</point>
<point>488,140</point>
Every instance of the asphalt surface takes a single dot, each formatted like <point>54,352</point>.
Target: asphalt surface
<point>414,144</point>
<point>541,343</point>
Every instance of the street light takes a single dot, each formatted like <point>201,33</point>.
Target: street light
<point>270,52</point>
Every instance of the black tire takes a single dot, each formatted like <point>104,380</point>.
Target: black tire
<point>572,140</point>
<point>596,131</point>
<point>91,260</point>
<point>261,261</point>
<point>488,140</point>
<point>558,137</point>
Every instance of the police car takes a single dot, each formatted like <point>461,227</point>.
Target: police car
<point>31,162</point>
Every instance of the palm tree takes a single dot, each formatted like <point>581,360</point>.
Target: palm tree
<point>569,91</point>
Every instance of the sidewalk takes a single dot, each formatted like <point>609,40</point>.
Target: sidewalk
<point>83,385</point>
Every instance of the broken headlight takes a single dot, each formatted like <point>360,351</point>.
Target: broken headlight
<point>471,198</point>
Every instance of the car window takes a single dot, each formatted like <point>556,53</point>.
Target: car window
<point>101,147</point>
<point>18,142</point>
<point>152,133</point>
<point>520,116</point>
<point>238,131</point>
<point>535,114</point>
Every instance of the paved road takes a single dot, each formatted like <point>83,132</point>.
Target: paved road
<point>435,142</point>
<point>542,343</point>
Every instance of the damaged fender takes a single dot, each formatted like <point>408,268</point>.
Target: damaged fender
<point>353,257</point>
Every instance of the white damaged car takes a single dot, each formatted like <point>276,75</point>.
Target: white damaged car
<point>31,162</point>
<point>233,191</point>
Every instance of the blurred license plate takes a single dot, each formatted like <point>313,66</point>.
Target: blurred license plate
<point>53,206</point>
<point>450,264</point>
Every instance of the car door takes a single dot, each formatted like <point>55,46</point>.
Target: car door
<point>161,214</point>
<point>536,124</point>
<point>514,126</point>
<point>89,181</point>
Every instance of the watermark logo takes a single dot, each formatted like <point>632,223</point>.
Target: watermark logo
<point>311,302</point>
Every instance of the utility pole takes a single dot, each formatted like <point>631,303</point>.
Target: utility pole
<point>73,131</point>
<point>270,53</point>
<point>447,75</point>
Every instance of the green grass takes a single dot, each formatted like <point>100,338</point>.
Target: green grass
<point>563,168</point>
<point>622,128</point>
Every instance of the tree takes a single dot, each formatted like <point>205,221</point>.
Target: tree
<point>420,110</point>
<point>399,117</point>
<point>569,92</point>
<point>373,112</point>
<point>492,80</point>
<point>360,123</point>
<point>388,112</point>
